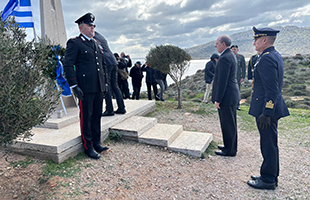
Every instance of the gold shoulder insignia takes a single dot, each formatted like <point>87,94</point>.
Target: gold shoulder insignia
<point>269,104</point>
<point>266,53</point>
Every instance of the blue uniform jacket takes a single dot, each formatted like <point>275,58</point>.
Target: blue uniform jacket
<point>267,88</point>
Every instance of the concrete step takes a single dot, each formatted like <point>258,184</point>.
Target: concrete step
<point>61,143</point>
<point>133,127</point>
<point>56,122</point>
<point>161,134</point>
<point>191,143</point>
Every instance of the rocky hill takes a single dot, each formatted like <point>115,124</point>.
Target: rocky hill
<point>291,40</point>
<point>296,84</point>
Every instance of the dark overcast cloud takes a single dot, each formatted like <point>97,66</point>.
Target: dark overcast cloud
<point>135,26</point>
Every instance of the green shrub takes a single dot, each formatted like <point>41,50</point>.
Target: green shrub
<point>290,103</point>
<point>299,87</point>
<point>26,96</point>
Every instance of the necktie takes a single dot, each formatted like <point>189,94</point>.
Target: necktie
<point>93,42</point>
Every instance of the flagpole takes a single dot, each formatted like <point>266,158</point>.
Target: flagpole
<point>35,35</point>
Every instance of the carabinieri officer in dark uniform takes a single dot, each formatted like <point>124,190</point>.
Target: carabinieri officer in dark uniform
<point>267,106</point>
<point>86,74</point>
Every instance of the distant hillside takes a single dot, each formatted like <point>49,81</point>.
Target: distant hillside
<point>291,40</point>
<point>296,84</point>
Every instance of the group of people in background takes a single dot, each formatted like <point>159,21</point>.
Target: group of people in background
<point>153,77</point>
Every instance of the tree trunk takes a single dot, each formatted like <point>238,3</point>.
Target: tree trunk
<point>179,95</point>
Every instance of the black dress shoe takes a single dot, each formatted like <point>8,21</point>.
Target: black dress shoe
<point>106,113</point>
<point>92,154</point>
<point>259,184</point>
<point>100,148</point>
<point>221,153</point>
<point>258,177</point>
<point>220,147</point>
<point>120,111</point>
<point>238,108</point>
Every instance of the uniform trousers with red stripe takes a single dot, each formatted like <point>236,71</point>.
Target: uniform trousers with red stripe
<point>90,116</point>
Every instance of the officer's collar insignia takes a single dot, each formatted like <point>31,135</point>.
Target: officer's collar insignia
<point>269,104</point>
<point>83,38</point>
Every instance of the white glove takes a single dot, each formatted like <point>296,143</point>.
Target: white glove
<point>250,81</point>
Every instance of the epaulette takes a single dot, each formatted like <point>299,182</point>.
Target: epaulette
<point>266,53</point>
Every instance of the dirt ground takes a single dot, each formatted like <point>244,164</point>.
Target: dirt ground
<point>138,171</point>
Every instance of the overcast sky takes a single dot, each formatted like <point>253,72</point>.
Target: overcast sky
<point>135,26</point>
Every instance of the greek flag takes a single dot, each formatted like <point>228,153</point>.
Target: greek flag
<point>21,9</point>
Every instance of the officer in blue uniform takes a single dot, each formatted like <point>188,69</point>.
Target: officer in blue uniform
<point>86,74</point>
<point>267,106</point>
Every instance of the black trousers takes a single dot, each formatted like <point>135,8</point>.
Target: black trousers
<point>269,148</point>
<point>228,120</point>
<point>113,87</point>
<point>149,90</point>
<point>90,115</point>
<point>136,93</point>
<point>123,85</point>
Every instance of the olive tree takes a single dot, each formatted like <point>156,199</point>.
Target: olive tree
<point>170,60</point>
<point>27,96</point>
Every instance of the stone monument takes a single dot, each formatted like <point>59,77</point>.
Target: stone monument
<point>53,30</point>
<point>52,22</point>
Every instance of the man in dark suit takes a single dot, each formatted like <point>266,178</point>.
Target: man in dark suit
<point>225,95</point>
<point>112,79</point>
<point>267,106</point>
<point>86,74</point>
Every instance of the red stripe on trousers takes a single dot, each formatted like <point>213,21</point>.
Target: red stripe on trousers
<point>81,124</point>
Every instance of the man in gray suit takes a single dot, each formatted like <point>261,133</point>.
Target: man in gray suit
<point>225,95</point>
